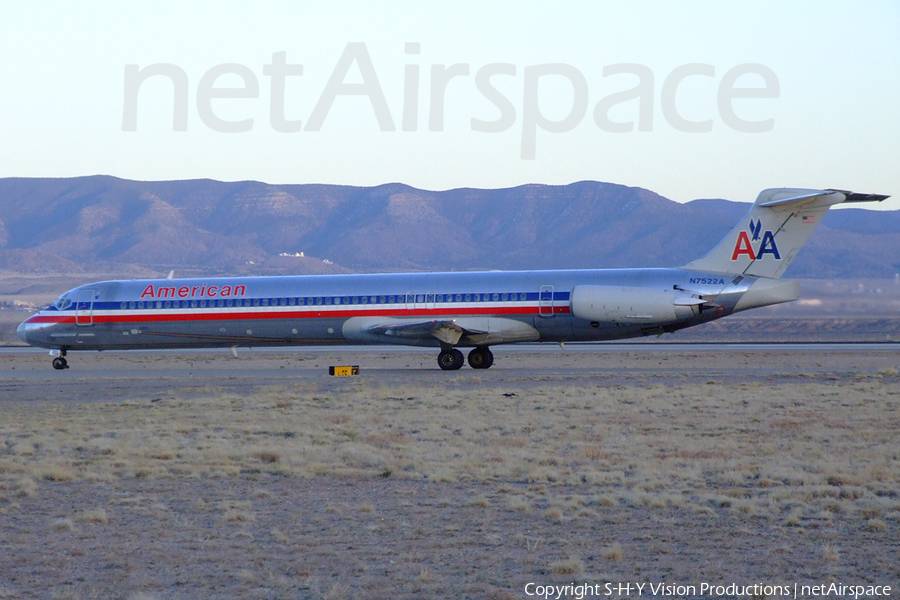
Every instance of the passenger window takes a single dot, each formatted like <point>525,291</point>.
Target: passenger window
<point>256,302</point>
<point>495,297</point>
<point>123,306</point>
<point>291,302</point>
<point>468,297</point>
<point>318,301</point>
<point>364,300</point>
<point>381,299</point>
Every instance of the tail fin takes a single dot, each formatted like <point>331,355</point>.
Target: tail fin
<point>765,242</point>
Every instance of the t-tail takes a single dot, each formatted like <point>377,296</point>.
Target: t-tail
<point>765,242</point>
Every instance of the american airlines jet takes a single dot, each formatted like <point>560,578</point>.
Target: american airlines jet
<point>447,310</point>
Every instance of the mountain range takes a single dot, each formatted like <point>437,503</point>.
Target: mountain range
<point>89,224</point>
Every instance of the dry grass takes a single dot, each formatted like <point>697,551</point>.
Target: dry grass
<point>783,452</point>
<point>27,486</point>
<point>612,552</point>
<point>63,524</point>
<point>96,515</point>
<point>142,596</point>
<point>519,503</point>
<point>568,567</point>
<point>875,525</point>
<point>479,501</point>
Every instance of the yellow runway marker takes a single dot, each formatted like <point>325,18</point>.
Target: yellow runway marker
<point>344,371</point>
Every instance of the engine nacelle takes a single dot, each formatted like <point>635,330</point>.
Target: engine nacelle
<point>615,304</point>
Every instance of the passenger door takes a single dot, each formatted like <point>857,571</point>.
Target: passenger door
<point>545,301</point>
<point>84,308</point>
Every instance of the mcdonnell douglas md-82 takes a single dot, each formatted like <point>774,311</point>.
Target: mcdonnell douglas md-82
<point>447,310</point>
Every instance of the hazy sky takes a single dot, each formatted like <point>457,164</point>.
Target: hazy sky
<point>830,104</point>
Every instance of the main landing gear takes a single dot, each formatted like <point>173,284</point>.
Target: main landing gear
<point>451,359</point>
<point>59,362</point>
<point>481,358</point>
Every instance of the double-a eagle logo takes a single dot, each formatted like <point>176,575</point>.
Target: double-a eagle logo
<point>749,238</point>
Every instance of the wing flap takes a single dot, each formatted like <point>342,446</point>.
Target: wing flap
<point>445,330</point>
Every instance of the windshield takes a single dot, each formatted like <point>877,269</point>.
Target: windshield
<point>62,303</point>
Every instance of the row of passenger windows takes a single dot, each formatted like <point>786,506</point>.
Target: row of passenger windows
<point>423,299</point>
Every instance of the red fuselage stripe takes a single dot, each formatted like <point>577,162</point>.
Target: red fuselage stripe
<point>306,314</point>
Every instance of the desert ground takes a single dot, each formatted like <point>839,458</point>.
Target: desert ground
<point>203,475</point>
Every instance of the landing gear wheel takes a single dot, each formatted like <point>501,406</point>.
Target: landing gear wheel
<point>59,363</point>
<point>481,358</point>
<point>450,360</point>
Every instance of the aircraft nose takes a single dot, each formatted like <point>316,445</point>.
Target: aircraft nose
<point>22,332</point>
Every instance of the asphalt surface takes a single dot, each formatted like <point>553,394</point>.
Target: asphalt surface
<point>27,376</point>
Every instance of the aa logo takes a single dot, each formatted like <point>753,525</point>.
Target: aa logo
<point>748,239</point>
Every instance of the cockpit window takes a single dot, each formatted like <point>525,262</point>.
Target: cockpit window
<point>62,303</point>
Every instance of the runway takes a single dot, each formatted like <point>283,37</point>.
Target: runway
<point>26,374</point>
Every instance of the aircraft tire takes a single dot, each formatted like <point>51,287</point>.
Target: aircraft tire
<point>59,363</point>
<point>481,358</point>
<point>451,360</point>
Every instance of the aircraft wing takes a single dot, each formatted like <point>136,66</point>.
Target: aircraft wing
<point>445,330</point>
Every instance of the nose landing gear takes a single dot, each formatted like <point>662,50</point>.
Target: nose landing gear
<point>59,362</point>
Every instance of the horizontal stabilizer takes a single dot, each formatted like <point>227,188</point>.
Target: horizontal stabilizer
<point>828,198</point>
<point>795,200</point>
<point>857,197</point>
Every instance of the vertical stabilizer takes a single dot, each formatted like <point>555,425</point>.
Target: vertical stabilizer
<point>765,242</point>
